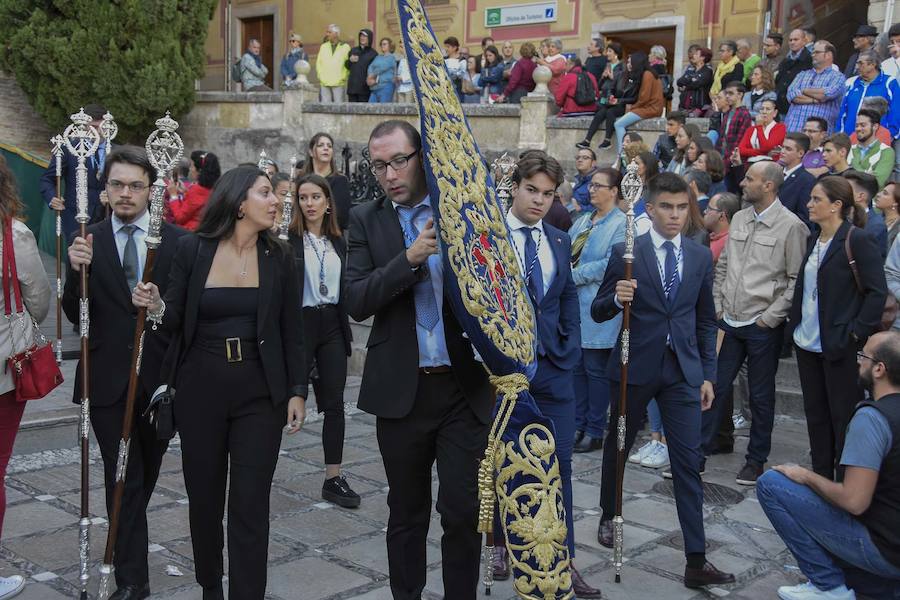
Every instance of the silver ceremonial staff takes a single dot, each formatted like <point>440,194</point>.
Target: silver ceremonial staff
<point>108,131</point>
<point>164,149</point>
<point>58,142</point>
<point>82,141</point>
<point>631,190</point>
<point>287,210</point>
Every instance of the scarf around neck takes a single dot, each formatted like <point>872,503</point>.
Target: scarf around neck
<point>722,70</point>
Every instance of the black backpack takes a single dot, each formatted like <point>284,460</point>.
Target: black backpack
<point>584,90</point>
<point>667,86</point>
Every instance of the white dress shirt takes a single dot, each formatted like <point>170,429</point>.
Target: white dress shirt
<point>808,334</point>
<point>658,241</point>
<point>142,224</point>
<point>312,296</point>
<point>542,242</point>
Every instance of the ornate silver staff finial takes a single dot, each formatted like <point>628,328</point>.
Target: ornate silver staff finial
<point>164,149</point>
<point>502,169</point>
<point>287,211</point>
<point>632,188</point>
<point>82,141</point>
<point>263,160</point>
<point>109,130</point>
<point>58,142</point>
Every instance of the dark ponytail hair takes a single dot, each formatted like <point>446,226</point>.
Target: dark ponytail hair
<point>839,189</point>
<point>208,169</point>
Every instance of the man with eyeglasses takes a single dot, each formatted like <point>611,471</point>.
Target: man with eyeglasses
<point>115,250</point>
<point>816,129</point>
<point>843,533</point>
<point>863,40</point>
<point>68,204</point>
<point>717,220</point>
<point>430,396</point>
<point>772,56</point>
<point>586,166</point>
<point>816,92</point>
<point>870,82</point>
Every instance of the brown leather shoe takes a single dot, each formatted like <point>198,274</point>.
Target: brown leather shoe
<point>581,587</point>
<point>708,575</point>
<point>605,534</point>
<point>501,564</point>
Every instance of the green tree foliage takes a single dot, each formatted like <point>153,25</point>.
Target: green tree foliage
<point>139,58</point>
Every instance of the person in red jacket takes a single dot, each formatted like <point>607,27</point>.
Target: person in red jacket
<point>205,169</point>
<point>565,93</point>
<point>763,140</point>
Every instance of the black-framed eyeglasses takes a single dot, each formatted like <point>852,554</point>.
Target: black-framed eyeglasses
<point>398,164</point>
<point>135,186</point>
<point>861,355</point>
<point>598,186</point>
<point>709,208</point>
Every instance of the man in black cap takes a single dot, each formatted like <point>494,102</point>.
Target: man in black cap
<point>863,39</point>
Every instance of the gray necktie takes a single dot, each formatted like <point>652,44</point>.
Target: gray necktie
<point>130,257</point>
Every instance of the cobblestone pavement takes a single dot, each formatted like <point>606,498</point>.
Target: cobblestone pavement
<point>320,551</point>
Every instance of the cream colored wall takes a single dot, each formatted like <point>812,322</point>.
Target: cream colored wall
<point>464,19</point>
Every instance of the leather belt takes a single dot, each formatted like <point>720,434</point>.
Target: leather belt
<point>233,349</point>
<point>434,370</point>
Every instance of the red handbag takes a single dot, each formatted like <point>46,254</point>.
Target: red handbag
<point>34,370</point>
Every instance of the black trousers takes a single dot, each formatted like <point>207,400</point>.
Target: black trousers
<point>359,97</point>
<point>227,422</point>
<point>144,459</point>
<point>605,114</point>
<point>441,427</point>
<point>323,339</point>
<point>830,393</point>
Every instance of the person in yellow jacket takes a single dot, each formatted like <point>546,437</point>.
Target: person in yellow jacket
<point>330,66</point>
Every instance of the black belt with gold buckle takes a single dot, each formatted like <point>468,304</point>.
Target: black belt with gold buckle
<point>434,370</point>
<point>233,350</point>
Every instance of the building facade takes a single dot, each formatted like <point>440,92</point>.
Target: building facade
<point>637,24</point>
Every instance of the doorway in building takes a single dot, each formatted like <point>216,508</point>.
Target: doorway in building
<point>262,29</point>
<point>641,40</point>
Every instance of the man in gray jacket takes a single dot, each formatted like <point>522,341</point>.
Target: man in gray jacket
<point>753,290</point>
<point>253,71</point>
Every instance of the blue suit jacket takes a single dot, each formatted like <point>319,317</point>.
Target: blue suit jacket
<point>794,193</point>
<point>69,167</point>
<point>692,317</point>
<point>876,228</point>
<point>557,316</point>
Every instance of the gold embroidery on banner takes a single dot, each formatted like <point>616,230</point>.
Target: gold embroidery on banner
<point>535,514</point>
<point>495,299</point>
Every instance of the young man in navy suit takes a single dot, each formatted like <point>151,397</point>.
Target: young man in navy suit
<point>673,358</point>
<point>544,256</point>
<point>798,182</point>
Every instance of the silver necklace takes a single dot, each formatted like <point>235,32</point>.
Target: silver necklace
<point>323,289</point>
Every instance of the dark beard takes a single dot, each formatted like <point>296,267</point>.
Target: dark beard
<point>865,381</point>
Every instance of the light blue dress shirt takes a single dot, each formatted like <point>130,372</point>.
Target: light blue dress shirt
<point>140,235</point>
<point>433,343</point>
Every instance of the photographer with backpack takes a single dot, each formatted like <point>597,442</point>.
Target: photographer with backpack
<point>576,95</point>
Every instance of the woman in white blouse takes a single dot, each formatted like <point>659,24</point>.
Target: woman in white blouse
<point>320,254</point>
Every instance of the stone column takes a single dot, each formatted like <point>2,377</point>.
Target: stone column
<point>294,99</point>
<point>536,107</point>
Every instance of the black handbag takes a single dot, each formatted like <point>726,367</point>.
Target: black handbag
<point>161,409</point>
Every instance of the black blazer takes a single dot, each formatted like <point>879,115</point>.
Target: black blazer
<point>379,282</point>
<point>340,246</point>
<point>340,193</point>
<point>842,309</point>
<point>794,193</point>
<point>691,318</point>
<point>279,324</point>
<point>112,318</point>
<point>788,70</point>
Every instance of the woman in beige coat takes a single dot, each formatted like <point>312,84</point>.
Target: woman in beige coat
<point>36,297</point>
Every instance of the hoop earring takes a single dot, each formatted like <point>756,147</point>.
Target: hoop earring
<point>240,215</point>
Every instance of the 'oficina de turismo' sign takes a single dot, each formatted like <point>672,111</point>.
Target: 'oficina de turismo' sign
<point>521,14</point>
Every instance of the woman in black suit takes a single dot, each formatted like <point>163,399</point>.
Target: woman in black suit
<point>232,299</point>
<point>320,254</point>
<point>320,161</point>
<point>833,315</point>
